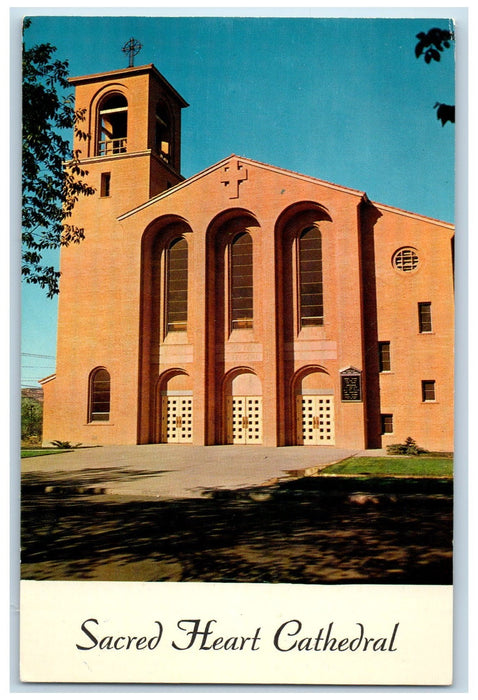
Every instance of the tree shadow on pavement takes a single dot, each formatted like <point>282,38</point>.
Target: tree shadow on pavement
<point>281,538</point>
<point>82,478</point>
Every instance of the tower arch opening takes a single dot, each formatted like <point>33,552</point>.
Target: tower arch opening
<point>112,125</point>
<point>163,134</point>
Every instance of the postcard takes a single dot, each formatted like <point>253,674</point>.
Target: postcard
<point>237,350</point>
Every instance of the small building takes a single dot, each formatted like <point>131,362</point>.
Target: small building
<point>244,305</point>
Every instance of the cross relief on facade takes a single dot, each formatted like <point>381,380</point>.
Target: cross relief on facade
<point>232,176</point>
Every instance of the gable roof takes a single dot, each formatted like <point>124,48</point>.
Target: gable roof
<point>246,161</point>
<point>275,169</point>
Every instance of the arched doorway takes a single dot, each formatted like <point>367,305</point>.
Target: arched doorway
<point>244,409</point>
<point>176,409</point>
<point>315,410</point>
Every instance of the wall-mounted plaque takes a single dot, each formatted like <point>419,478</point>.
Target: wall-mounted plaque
<point>351,384</point>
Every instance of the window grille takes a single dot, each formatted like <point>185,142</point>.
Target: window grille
<point>406,259</point>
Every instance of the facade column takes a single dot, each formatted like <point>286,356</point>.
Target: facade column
<point>349,415</point>
<point>272,394</point>
<point>198,333</point>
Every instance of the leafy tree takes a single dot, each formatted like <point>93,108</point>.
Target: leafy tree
<point>31,418</point>
<point>430,46</point>
<point>52,176</point>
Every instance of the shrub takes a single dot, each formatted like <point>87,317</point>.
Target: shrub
<point>64,444</point>
<point>409,447</point>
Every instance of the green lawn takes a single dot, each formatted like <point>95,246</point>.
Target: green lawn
<point>393,466</point>
<point>40,452</point>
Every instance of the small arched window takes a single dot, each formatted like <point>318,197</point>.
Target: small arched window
<point>177,286</point>
<point>163,138</point>
<point>100,388</point>
<point>113,125</point>
<point>311,300</point>
<point>241,303</point>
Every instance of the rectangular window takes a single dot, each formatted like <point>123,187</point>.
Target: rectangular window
<point>384,356</point>
<point>105,184</point>
<point>428,390</point>
<point>387,423</point>
<point>177,286</point>
<point>100,384</point>
<point>425,316</point>
<point>242,294</point>
<point>310,278</point>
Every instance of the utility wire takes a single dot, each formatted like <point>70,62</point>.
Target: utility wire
<point>36,366</point>
<point>29,354</point>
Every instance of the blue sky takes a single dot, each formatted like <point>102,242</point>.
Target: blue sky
<point>343,100</point>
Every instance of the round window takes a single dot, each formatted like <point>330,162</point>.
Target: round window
<point>405,260</point>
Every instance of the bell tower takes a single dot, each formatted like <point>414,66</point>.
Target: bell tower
<point>133,117</point>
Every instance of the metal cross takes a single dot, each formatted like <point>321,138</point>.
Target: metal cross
<point>132,47</point>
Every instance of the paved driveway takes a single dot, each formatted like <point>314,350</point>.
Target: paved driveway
<point>174,471</point>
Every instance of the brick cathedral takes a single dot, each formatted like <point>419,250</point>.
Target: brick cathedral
<point>244,305</point>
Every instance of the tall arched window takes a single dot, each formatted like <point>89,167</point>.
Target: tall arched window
<point>163,143</point>
<point>311,301</point>
<point>241,282</point>
<point>113,125</point>
<point>100,387</point>
<point>177,286</point>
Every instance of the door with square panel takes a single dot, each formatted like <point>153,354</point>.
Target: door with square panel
<point>244,420</point>
<point>315,419</point>
<point>177,419</point>
<point>243,409</point>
